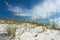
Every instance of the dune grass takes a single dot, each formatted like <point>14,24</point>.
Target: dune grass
<point>32,22</point>
<point>54,26</point>
<point>11,30</point>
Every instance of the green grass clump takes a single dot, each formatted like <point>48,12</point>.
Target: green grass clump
<point>54,26</point>
<point>11,30</point>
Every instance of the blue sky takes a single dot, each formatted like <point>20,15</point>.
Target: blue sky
<point>24,4</point>
<point>30,9</point>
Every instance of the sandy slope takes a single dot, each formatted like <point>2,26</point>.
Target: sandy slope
<point>37,34</point>
<point>33,33</point>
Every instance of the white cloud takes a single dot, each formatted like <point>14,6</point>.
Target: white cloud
<point>20,11</point>
<point>48,7</point>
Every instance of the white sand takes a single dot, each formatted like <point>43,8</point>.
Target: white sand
<point>24,33</point>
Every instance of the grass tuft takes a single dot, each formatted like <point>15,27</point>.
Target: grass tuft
<point>11,30</point>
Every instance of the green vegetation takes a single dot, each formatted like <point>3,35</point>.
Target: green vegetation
<point>54,25</point>
<point>45,25</point>
<point>11,30</point>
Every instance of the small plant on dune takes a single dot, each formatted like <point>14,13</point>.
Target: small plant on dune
<point>26,27</point>
<point>11,30</point>
<point>54,25</point>
<point>33,22</point>
<point>46,24</point>
<point>43,28</point>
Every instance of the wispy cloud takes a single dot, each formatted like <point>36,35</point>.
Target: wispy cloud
<point>47,8</point>
<point>7,4</point>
